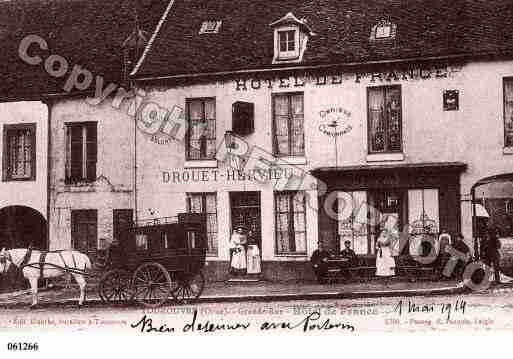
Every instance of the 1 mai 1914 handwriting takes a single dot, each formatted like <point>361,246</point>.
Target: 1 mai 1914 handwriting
<point>444,308</point>
<point>312,322</point>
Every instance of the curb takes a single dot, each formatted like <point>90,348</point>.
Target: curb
<point>96,302</point>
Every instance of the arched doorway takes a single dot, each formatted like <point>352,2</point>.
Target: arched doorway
<point>21,227</point>
<point>492,205</point>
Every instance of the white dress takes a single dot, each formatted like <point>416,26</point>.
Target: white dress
<point>237,242</point>
<point>385,263</point>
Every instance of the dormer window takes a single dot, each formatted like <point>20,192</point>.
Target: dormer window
<point>290,37</point>
<point>210,27</point>
<point>288,43</point>
<point>383,30</point>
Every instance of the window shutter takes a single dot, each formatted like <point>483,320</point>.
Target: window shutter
<point>91,151</point>
<point>243,118</point>
<point>75,153</point>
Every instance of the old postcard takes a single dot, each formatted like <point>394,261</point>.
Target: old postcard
<point>176,167</point>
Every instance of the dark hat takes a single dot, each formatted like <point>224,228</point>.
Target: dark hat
<point>240,226</point>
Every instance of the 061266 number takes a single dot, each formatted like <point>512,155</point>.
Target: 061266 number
<point>21,346</point>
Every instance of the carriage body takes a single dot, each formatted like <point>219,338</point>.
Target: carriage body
<point>169,250</point>
<point>178,243</point>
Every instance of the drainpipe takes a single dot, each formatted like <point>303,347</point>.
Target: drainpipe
<point>48,172</point>
<point>135,162</point>
<point>474,223</point>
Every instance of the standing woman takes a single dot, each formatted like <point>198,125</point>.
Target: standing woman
<point>385,263</point>
<point>238,243</point>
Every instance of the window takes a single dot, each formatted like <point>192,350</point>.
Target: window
<point>288,119</point>
<point>210,27</point>
<point>201,132</point>
<point>141,242</point>
<point>122,220</point>
<point>383,30</point>
<point>290,222</point>
<point>288,44</point>
<point>19,155</point>
<point>84,230</point>
<point>352,221</point>
<point>384,119</point>
<point>508,112</point>
<point>206,203</point>
<point>509,207</point>
<point>81,152</point>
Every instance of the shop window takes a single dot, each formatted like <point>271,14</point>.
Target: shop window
<point>81,152</point>
<point>201,131</point>
<point>206,203</point>
<point>290,222</point>
<point>423,218</point>
<point>384,119</point>
<point>84,230</point>
<point>353,221</point>
<point>508,112</point>
<point>288,124</point>
<point>19,152</point>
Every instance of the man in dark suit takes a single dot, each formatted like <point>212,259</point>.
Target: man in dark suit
<point>348,253</point>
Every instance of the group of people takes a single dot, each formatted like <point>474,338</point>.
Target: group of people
<point>385,255</point>
<point>245,257</point>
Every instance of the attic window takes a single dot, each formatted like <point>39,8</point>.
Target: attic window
<point>290,37</point>
<point>210,27</point>
<point>288,43</point>
<point>383,30</point>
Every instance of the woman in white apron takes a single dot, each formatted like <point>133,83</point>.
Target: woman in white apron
<point>385,263</point>
<point>237,246</point>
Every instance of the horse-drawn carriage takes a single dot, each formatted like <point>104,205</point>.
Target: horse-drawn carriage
<point>157,259</point>
<point>154,260</point>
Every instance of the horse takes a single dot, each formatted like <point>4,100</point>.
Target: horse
<point>37,264</point>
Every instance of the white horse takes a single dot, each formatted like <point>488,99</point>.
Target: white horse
<point>75,263</point>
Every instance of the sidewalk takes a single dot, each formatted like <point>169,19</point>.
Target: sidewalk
<point>262,291</point>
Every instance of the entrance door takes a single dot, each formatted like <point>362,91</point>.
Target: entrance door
<point>392,208</point>
<point>245,210</point>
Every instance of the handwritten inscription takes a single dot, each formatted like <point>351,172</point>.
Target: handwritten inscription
<point>445,308</point>
<point>312,322</point>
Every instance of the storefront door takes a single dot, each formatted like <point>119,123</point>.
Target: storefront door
<point>245,211</point>
<point>392,208</point>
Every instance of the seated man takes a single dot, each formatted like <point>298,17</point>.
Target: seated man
<point>348,253</point>
<point>319,264</point>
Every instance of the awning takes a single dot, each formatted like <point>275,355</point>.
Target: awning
<point>400,175</point>
<point>425,166</point>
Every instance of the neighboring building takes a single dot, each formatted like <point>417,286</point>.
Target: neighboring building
<point>23,186</point>
<point>90,167</point>
<point>382,103</point>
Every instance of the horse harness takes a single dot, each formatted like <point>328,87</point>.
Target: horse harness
<point>42,261</point>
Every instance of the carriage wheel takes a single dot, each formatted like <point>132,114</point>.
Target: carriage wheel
<point>190,287</point>
<point>152,284</point>
<point>115,285</point>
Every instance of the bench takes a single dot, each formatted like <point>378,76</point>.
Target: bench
<point>330,268</point>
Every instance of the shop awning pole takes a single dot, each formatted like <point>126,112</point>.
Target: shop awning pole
<point>474,224</point>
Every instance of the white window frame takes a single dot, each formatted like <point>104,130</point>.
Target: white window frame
<point>286,55</point>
